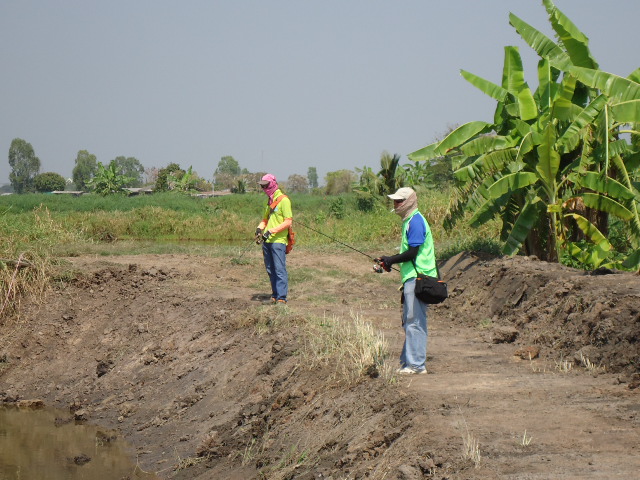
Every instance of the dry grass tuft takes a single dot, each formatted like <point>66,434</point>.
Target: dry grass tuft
<point>353,347</point>
<point>26,276</point>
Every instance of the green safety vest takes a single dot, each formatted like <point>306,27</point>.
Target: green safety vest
<point>426,259</point>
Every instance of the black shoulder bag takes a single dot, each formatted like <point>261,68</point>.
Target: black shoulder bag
<point>429,289</point>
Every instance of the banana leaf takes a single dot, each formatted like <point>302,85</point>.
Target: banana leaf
<point>594,181</point>
<point>591,257</point>
<point>606,204</point>
<point>424,154</point>
<point>632,262</point>
<point>627,112</point>
<point>527,105</point>
<point>458,161</point>
<point>574,41</point>
<point>542,44</point>
<point>490,162</point>
<point>563,106</point>
<point>520,127</point>
<point>591,231</point>
<point>487,143</point>
<point>461,135</point>
<point>634,223</point>
<point>490,88</point>
<point>635,75</point>
<point>618,88</point>
<point>512,72</point>
<point>512,182</point>
<point>546,85</point>
<point>548,159</point>
<point>488,210</point>
<point>618,147</point>
<point>524,223</point>
<point>526,145</point>
<point>513,109</point>
<point>571,136</point>
<point>509,215</point>
<point>513,81</point>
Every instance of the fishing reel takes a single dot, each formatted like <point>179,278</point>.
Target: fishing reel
<point>379,266</point>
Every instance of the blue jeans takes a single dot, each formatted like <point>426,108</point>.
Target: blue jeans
<point>275,261</point>
<point>414,322</point>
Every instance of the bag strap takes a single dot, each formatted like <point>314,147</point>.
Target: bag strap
<point>274,204</point>
<point>416,269</point>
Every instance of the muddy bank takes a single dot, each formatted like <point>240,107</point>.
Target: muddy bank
<point>165,349</point>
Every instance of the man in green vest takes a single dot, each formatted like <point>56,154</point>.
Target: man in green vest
<point>416,254</point>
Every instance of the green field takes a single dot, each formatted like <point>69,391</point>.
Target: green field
<point>42,229</point>
<point>65,225</point>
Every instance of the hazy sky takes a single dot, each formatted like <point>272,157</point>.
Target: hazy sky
<point>280,85</point>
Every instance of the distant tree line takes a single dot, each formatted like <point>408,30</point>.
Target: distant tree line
<point>123,172</point>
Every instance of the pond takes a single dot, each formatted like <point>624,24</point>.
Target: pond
<point>48,444</point>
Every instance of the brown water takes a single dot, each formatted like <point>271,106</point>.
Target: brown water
<point>35,446</point>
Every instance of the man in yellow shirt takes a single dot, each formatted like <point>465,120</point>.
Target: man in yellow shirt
<point>273,232</point>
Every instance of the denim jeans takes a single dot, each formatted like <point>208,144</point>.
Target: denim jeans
<point>275,261</point>
<point>414,322</point>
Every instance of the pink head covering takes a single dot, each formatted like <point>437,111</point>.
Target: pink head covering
<point>271,185</point>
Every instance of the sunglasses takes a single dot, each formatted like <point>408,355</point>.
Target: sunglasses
<point>398,201</point>
<point>264,186</point>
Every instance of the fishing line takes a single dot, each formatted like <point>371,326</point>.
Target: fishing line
<point>338,241</point>
<point>239,257</point>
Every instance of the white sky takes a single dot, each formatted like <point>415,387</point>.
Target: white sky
<point>280,85</point>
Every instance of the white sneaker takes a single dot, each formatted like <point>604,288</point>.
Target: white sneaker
<point>411,371</point>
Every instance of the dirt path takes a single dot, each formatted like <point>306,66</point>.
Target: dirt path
<point>165,350</point>
<point>529,420</point>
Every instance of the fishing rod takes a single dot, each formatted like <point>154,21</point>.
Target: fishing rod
<point>242,253</point>
<point>342,243</point>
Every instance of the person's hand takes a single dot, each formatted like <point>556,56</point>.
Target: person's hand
<point>385,263</point>
<point>258,236</point>
<point>266,235</point>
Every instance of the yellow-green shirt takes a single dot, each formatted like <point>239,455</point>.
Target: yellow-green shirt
<point>282,211</point>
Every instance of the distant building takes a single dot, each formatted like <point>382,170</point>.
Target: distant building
<point>75,193</point>
<point>139,191</point>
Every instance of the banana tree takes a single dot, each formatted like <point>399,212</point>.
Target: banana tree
<point>184,182</point>
<point>534,165</point>
<point>108,180</point>
<point>392,178</point>
<point>417,173</point>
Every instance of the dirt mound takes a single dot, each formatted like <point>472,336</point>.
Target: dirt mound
<point>166,350</point>
<point>582,317</point>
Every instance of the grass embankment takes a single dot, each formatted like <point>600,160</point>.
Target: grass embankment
<point>41,228</point>
<point>227,220</point>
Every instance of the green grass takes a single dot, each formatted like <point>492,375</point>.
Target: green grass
<point>229,220</point>
<point>42,228</point>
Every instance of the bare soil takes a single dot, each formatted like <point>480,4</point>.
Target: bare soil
<point>533,369</point>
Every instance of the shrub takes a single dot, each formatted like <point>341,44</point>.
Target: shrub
<point>49,182</point>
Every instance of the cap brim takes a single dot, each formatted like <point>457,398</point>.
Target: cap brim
<point>393,196</point>
<point>263,182</point>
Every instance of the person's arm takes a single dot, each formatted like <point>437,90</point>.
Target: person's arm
<point>283,226</point>
<point>407,256</point>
